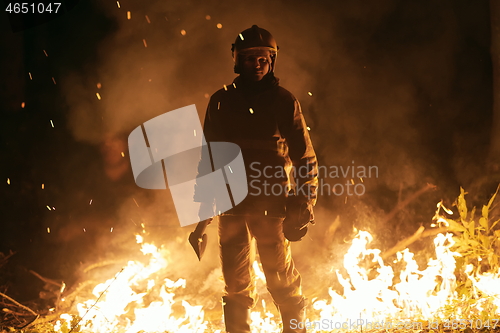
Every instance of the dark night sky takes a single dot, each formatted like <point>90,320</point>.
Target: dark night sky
<point>403,85</point>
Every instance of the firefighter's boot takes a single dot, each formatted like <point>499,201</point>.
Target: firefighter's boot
<point>236,316</point>
<point>293,317</point>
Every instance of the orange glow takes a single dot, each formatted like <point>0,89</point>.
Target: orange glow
<point>139,298</point>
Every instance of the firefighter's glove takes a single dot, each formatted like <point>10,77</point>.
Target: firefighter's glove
<point>299,213</point>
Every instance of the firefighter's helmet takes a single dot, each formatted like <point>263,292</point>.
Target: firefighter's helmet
<point>254,40</point>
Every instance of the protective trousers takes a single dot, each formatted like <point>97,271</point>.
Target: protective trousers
<point>237,256</point>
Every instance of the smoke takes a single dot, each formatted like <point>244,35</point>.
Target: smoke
<point>382,79</point>
<point>166,55</point>
<point>171,54</point>
<point>368,79</point>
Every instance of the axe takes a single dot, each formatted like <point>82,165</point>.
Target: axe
<point>198,238</point>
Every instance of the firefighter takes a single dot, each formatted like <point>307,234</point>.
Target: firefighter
<point>266,121</point>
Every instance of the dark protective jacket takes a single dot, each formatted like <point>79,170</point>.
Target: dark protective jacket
<point>266,121</point>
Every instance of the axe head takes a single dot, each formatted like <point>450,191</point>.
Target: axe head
<point>199,243</point>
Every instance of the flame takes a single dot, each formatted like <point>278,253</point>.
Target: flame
<point>120,303</point>
<point>264,320</point>
<point>488,284</point>
<point>140,299</point>
<point>374,299</point>
<point>421,295</point>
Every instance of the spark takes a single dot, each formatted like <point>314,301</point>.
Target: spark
<point>234,85</point>
<point>111,230</point>
<point>143,226</point>
<point>99,85</point>
<point>251,110</point>
<point>54,80</point>
<point>23,105</point>
<point>48,207</point>
<point>194,132</point>
<point>135,202</point>
<point>51,123</point>
<point>352,181</point>
<point>48,230</point>
<point>183,32</point>
<point>43,186</point>
<point>361,178</point>
<point>145,44</point>
<point>90,203</point>
<point>309,93</point>
<point>45,52</point>
<point>84,230</point>
<point>147,19</point>
<point>206,95</point>
<point>219,26</point>
<point>8,181</point>
<point>31,77</point>
<point>345,201</point>
<point>123,154</point>
<point>118,4</point>
<point>218,106</point>
<point>129,15</point>
<point>265,212</point>
<point>308,128</point>
<point>241,36</point>
<point>231,170</point>
<point>98,96</point>
<point>225,87</point>
<point>208,17</point>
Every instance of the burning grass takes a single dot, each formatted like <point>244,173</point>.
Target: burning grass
<point>458,290</point>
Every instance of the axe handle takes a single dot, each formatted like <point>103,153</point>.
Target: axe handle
<point>200,227</point>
